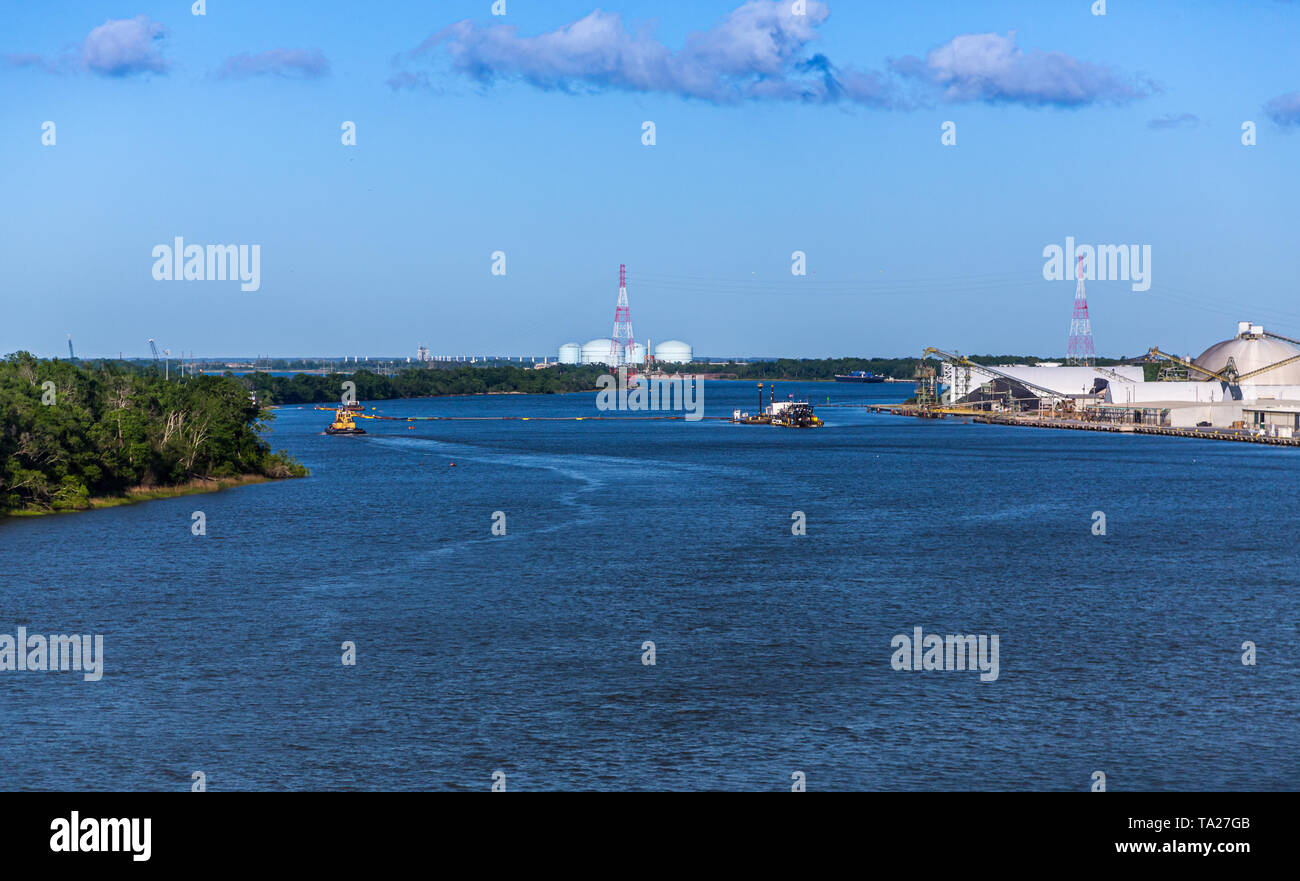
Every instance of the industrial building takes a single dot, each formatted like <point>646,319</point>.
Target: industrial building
<point>961,381</point>
<point>1250,382</point>
<point>1271,359</point>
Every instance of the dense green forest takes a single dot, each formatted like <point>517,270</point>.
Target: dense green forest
<point>70,432</point>
<point>420,382</point>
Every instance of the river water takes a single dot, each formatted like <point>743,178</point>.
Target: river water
<point>523,653</point>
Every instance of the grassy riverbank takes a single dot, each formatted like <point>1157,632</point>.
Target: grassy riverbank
<point>137,494</point>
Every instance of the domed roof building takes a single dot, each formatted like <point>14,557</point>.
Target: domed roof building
<point>1252,350</point>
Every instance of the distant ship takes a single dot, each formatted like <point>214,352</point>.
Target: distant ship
<point>859,376</point>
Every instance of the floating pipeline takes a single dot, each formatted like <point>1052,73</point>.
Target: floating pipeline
<point>519,418</point>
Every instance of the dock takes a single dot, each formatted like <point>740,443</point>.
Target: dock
<point>1241,435</point>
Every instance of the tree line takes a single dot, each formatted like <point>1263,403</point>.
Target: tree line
<point>423,382</point>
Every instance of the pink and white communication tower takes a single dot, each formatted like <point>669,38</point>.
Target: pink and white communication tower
<point>1080,349</point>
<point>621,341</point>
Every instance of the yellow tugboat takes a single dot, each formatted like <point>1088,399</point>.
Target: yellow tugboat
<point>343,423</point>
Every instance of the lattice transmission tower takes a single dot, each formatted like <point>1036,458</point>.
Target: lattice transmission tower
<point>1080,351</point>
<point>622,341</point>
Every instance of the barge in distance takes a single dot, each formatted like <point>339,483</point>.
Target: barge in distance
<point>859,376</point>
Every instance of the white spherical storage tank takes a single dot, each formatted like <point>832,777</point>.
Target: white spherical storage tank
<point>570,353</point>
<point>596,351</point>
<point>673,352</point>
<point>638,353</point>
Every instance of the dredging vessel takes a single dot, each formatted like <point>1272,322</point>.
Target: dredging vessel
<point>787,414</point>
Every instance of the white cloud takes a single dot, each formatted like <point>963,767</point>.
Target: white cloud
<point>758,51</point>
<point>991,68</point>
<point>124,46</point>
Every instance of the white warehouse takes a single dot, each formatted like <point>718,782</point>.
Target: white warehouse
<point>960,381</point>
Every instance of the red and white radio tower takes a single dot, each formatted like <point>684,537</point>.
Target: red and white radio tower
<point>620,344</point>
<point>1080,350</point>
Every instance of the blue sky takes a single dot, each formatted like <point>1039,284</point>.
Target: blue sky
<point>821,136</point>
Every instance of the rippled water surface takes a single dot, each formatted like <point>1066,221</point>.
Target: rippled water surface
<point>522,653</point>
